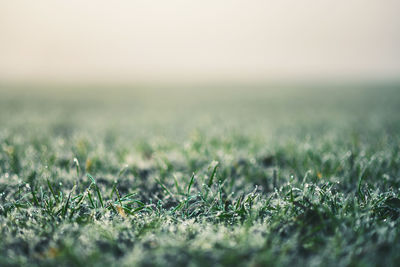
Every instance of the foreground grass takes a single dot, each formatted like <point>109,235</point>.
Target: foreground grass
<point>308,177</point>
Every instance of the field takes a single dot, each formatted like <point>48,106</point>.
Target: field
<point>280,175</point>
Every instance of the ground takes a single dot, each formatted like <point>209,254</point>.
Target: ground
<point>281,175</point>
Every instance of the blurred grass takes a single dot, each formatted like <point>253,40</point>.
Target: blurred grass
<point>237,106</point>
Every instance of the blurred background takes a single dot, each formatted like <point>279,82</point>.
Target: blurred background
<point>171,68</point>
<point>191,42</point>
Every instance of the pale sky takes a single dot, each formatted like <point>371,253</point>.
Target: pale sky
<point>187,40</point>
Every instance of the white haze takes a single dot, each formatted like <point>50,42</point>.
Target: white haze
<point>207,40</point>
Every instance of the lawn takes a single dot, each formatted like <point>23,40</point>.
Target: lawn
<point>227,175</point>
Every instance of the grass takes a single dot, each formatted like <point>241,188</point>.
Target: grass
<point>287,176</point>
